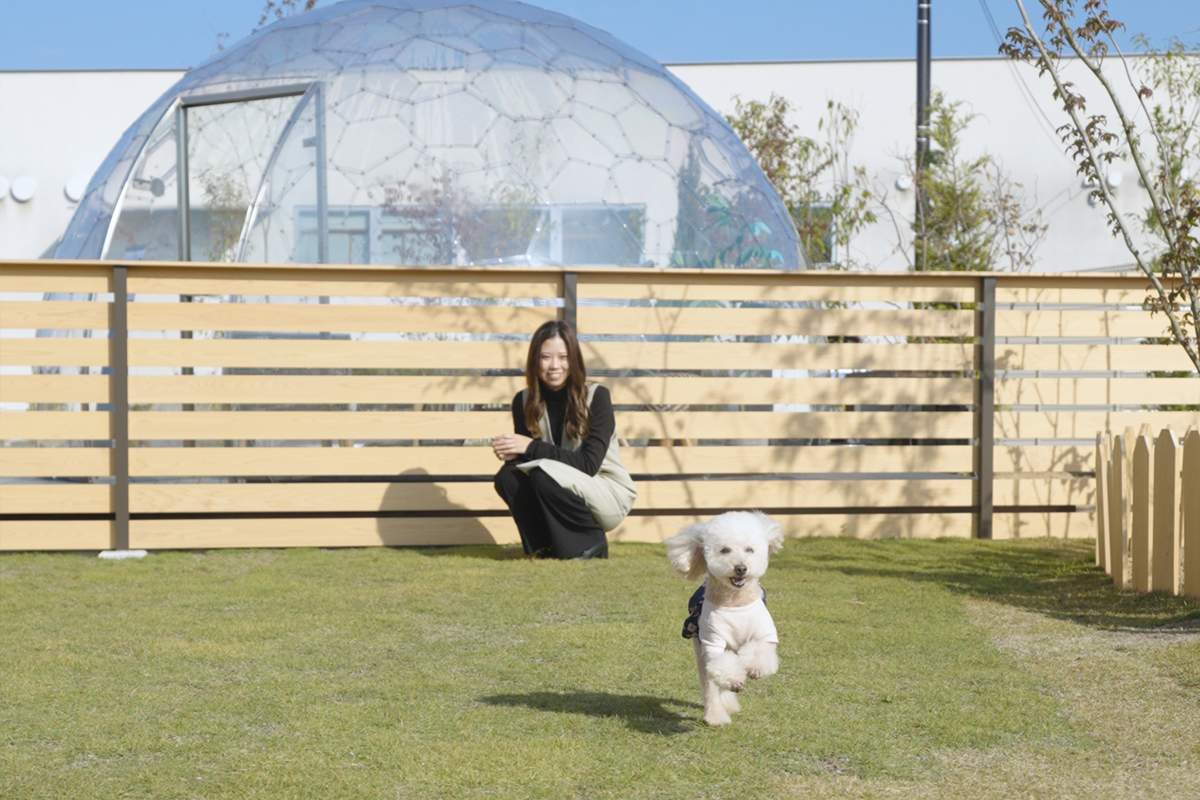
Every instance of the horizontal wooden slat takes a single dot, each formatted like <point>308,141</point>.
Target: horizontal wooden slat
<point>1039,525</point>
<point>801,494</point>
<point>393,389</point>
<point>49,314</point>
<point>46,276</point>
<point>1126,294</point>
<point>54,389</point>
<point>358,532</point>
<point>300,497</point>
<point>1080,323</point>
<point>247,461</point>
<point>55,535</point>
<point>1057,491</point>
<point>325,354</point>
<point>1136,358</point>
<point>239,461</point>
<point>342,282</point>
<point>655,528</point>
<point>55,352</point>
<point>481,496</point>
<point>875,287</point>
<point>55,462</point>
<point>319,425</point>
<point>720,355</point>
<point>790,391</point>
<point>307,425</point>
<point>1044,458</point>
<point>839,458</point>
<point>416,531</point>
<point>56,498</point>
<point>667,320</point>
<point>331,389</point>
<point>158,534</point>
<point>1085,424</point>
<point>337,317</point>
<point>55,425</point>
<point>798,425</point>
<point>1114,391</point>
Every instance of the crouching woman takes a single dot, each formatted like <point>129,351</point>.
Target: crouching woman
<point>562,477</point>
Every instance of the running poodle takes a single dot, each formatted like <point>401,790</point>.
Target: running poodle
<point>732,631</point>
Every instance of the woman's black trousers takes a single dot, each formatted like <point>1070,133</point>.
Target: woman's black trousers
<point>554,522</point>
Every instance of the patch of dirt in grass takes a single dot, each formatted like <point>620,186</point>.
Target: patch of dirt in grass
<point>1112,686</point>
<point>1132,696</point>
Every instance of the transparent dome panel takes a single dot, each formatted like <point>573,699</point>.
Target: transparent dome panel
<point>436,132</point>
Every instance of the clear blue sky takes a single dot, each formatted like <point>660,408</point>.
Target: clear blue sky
<point>170,34</point>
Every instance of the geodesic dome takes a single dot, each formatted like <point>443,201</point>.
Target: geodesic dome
<point>432,132</point>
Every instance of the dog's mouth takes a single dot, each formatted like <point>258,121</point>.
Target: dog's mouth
<point>738,581</point>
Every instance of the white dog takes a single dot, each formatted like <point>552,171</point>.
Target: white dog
<point>735,637</point>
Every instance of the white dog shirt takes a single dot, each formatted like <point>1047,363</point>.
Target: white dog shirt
<point>733,627</point>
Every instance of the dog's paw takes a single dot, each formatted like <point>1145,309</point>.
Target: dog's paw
<point>736,686</point>
<point>718,719</point>
<point>754,673</point>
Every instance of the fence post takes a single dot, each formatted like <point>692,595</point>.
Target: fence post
<point>1103,453</point>
<point>986,403</point>
<point>1141,494</point>
<point>1190,493</point>
<point>1118,510</point>
<point>120,407</point>
<point>569,297</point>
<point>1165,545</point>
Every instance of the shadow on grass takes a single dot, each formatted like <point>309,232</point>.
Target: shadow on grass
<point>487,552</point>
<point>641,713</point>
<point>1052,577</point>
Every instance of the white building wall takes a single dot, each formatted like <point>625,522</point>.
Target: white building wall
<point>1016,123</point>
<point>56,125</point>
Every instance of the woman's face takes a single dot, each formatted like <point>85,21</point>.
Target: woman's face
<point>553,367</point>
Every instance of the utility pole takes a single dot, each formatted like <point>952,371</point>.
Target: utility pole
<point>922,120</point>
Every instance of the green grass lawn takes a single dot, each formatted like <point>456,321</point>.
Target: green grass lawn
<point>909,669</point>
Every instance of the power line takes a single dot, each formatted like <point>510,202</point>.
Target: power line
<point>1026,93</point>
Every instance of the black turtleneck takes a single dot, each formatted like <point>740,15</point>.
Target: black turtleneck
<point>590,455</point>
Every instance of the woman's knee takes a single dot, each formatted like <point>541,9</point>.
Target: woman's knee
<point>542,483</point>
<point>508,481</point>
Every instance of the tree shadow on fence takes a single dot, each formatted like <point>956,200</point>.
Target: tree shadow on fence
<point>1051,577</point>
<point>641,713</point>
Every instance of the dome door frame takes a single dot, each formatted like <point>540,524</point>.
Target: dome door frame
<point>311,91</point>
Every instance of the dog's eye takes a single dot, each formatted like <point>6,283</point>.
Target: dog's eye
<point>725,551</point>
<point>749,549</point>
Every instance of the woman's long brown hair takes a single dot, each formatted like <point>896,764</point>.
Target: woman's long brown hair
<point>575,422</point>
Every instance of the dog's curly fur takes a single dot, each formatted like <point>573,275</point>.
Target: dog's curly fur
<point>731,552</point>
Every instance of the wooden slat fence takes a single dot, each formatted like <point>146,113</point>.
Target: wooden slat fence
<point>1148,503</point>
<point>288,405</point>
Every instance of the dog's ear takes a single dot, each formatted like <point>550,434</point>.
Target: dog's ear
<point>685,551</point>
<point>773,531</point>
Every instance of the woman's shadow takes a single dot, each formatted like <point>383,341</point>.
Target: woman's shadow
<point>641,713</point>
<point>416,511</point>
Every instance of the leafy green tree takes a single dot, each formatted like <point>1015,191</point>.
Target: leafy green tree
<point>827,198</point>
<point>1157,142</point>
<point>971,216</point>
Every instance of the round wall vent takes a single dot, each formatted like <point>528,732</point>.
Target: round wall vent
<point>23,189</point>
<point>76,186</point>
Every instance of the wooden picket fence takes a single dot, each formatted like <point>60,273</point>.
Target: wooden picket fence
<point>1148,510</point>
<point>289,405</point>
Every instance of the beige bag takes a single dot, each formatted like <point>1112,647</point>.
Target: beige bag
<point>609,494</point>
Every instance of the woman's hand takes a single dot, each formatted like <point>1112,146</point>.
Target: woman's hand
<point>508,446</point>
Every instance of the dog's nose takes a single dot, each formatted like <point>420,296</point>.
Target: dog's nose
<point>739,570</point>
